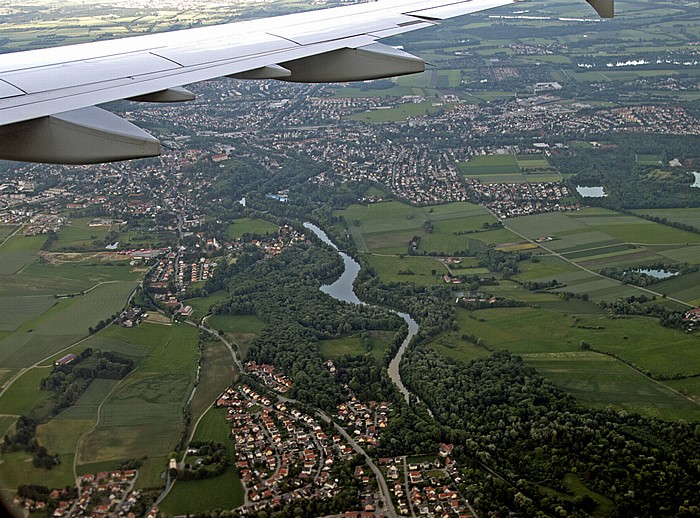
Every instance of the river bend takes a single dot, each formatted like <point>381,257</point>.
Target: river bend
<point>342,289</point>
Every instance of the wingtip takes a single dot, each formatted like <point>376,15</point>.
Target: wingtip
<point>605,8</point>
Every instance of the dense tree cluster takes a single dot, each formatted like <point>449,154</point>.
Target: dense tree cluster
<point>517,425</point>
<point>628,184</point>
<point>24,439</point>
<point>71,380</point>
<point>284,293</point>
<point>430,306</point>
<point>212,459</point>
<point>506,263</point>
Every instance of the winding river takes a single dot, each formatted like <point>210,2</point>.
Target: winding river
<point>342,289</point>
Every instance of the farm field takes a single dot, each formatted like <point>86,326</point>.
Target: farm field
<point>143,415</point>
<point>17,252</point>
<point>62,324</point>
<point>549,338</point>
<point>53,274</point>
<point>140,415</point>
<point>387,227</point>
<point>250,226</point>
<point>598,238</point>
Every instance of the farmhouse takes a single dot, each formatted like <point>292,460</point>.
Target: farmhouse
<point>65,360</point>
<point>693,315</point>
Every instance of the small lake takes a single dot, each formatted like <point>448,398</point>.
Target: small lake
<point>657,274</point>
<point>591,192</point>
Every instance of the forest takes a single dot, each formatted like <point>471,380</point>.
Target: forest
<point>513,422</point>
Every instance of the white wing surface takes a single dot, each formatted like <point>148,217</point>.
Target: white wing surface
<point>48,96</point>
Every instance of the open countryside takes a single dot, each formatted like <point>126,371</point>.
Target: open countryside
<point>164,340</point>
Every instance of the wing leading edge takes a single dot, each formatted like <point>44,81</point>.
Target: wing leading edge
<point>48,96</point>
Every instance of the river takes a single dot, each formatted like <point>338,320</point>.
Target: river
<point>342,289</point>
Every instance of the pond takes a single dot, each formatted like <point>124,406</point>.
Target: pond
<point>656,273</point>
<point>591,192</point>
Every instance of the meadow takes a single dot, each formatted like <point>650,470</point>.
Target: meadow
<point>549,335</point>
<point>241,226</point>
<point>387,228</point>
<point>352,346</point>
<point>241,330</point>
<point>218,372</point>
<point>393,269</point>
<point>201,305</point>
<point>225,491</point>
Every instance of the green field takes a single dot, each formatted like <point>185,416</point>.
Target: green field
<point>352,345</point>
<point>597,238</point>
<point>61,325</point>
<point>400,112</point>
<point>225,491</point>
<point>23,396</point>
<point>201,305</point>
<point>549,338</point>
<point>250,226</point>
<point>387,228</point>
<point>18,251</point>
<point>394,269</point>
<point>66,277</point>
<point>218,372</point>
<point>686,216</point>
<point>485,166</point>
<point>239,329</point>
<point>143,415</point>
<point>6,231</point>
<point>601,381</point>
<point>653,160</point>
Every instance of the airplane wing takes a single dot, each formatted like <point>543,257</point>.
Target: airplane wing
<point>48,97</point>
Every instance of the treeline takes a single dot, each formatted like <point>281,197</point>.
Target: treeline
<point>542,285</point>
<point>495,302</point>
<point>517,424</point>
<point>664,221</point>
<point>643,306</point>
<point>24,439</point>
<point>69,381</point>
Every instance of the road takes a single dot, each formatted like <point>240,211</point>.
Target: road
<point>383,488</point>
